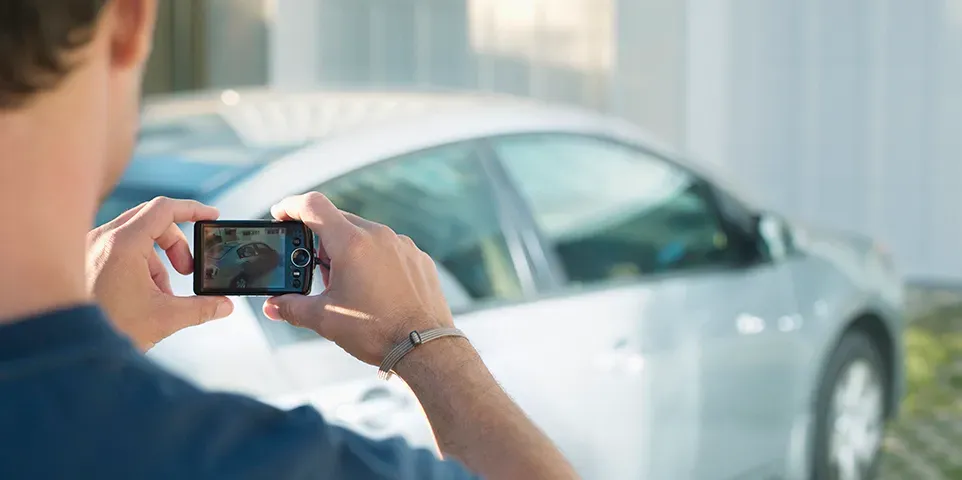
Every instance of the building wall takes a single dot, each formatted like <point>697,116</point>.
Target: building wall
<point>621,56</point>
<point>237,42</point>
<point>178,60</point>
<point>847,114</point>
<point>844,114</point>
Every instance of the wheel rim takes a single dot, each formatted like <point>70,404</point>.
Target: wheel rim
<point>856,421</point>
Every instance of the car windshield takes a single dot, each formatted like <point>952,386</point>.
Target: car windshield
<point>219,251</point>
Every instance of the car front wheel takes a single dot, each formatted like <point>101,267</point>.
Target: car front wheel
<point>850,412</point>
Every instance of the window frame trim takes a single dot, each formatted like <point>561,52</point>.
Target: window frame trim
<point>547,270</point>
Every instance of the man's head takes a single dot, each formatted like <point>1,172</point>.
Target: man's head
<point>79,59</point>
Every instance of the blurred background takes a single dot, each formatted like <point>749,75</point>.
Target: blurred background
<point>845,114</point>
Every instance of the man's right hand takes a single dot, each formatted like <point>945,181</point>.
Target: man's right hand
<point>380,286</point>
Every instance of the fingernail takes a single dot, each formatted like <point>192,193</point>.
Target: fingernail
<point>224,309</point>
<point>272,311</point>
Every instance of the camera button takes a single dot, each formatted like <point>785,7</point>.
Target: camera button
<point>297,242</point>
<point>296,273</point>
<point>296,283</point>
<point>301,258</point>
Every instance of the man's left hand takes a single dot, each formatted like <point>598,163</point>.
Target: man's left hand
<point>128,279</point>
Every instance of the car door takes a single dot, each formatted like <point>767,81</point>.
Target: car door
<point>443,199</point>
<point>753,373</point>
<point>678,377</point>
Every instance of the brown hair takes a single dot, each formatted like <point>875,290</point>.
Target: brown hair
<point>36,37</point>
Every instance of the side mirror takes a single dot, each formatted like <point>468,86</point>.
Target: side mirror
<point>773,235</point>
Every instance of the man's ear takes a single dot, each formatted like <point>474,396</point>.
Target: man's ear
<point>132,31</point>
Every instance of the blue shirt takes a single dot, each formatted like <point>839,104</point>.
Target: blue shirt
<point>78,401</point>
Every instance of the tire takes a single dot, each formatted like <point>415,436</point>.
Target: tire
<point>849,427</point>
<point>239,281</point>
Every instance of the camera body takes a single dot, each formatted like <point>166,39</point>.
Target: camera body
<point>253,257</point>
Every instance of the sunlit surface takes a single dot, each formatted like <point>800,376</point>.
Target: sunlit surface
<point>572,33</point>
<point>789,323</point>
<point>230,97</point>
<point>749,324</point>
<point>348,312</point>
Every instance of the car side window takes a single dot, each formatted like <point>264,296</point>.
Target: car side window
<point>611,211</point>
<point>441,198</point>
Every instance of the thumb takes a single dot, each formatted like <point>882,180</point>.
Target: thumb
<point>190,311</point>
<point>295,309</point>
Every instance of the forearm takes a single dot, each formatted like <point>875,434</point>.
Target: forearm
<point>472,417</point>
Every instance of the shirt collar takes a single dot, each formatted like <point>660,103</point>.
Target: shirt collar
<point>58,331</point>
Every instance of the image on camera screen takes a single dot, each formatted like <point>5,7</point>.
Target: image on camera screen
<point>244,258</point>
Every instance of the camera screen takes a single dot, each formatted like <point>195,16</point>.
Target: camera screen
<point>244,258</point>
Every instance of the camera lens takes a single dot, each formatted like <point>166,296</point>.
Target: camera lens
<point>301,258</point>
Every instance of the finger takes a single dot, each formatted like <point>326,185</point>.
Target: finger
<point>283,216</point>
<point>377,230</point>
<point>407,241</point>
<point>186,312</point>
<point>321,216</point>
<point>360,222</point>
<point>156,217</point>
<point>124,217</point>
<point>319,252</point>
<point>318,313</point>
<point>295,309</point>
<point>159,274</point>
<point>174,242</point>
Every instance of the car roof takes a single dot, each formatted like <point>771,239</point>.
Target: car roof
<point>347,130</point>
<point>211,142</point>
<point>266,117</point>
<point>197,145</point>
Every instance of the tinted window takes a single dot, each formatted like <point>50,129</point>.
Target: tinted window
<point>442,199</point>
<point>612,211</point>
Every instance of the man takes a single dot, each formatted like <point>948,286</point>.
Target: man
<point>77,398</point>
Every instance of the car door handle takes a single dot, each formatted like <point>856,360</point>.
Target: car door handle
<point>621,358</point>
<point>790,322</point>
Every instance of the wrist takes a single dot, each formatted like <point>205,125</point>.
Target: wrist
<point>441,357</point>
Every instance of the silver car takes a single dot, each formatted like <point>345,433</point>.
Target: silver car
<point>649,319</point>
